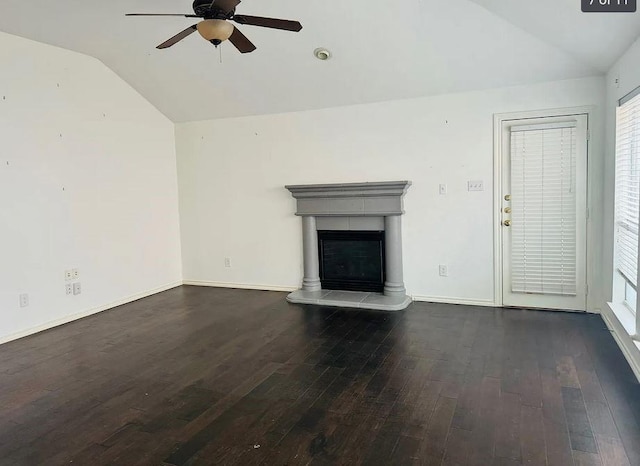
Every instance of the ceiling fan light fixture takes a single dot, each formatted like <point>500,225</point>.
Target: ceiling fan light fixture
<point>322,54</point>
<point>217,30</point>
<point>216,26</point>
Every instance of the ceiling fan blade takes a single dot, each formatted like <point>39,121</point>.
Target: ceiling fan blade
<point>273,23</point>
<point>163,14</point>
<point>178,37</point>
<point>225,5</point>
<point>240,41</point>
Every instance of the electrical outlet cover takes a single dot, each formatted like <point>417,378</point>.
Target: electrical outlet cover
<point>75,273</point>
<point>68,274</point>
<point>77,289</point>
<point>24,300</point>
<point>69,289</point>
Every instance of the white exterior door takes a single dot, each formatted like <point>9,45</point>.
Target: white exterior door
<point>544,212</point>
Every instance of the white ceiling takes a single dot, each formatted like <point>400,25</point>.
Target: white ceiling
<point>382,50</point>
<point>597,39</point>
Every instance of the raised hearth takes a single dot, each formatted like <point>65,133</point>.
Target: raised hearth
<point>375,206</point>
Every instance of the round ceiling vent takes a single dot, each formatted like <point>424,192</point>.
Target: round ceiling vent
<point>322,54</point>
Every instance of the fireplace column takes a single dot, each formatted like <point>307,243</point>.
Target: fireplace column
<point>394,284</point>
<point>311,280</point>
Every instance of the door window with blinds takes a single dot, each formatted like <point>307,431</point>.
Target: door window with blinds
<point>627,188</point>
<point>543,238</point>
<point>544,212</point>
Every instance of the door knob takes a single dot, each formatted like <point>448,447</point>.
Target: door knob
<point>507,223</point>
<point>507,197</point>
<point>507,210</point>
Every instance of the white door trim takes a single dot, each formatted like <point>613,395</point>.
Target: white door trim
<point>498,119</point>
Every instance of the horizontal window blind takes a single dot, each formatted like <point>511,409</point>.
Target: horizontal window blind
<point>543,202</point>
<point>627,188</point>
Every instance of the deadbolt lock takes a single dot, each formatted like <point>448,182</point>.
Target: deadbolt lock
<point>507,223</point>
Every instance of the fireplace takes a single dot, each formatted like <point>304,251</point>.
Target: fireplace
<point>352,245</point>
<point>351,260</point>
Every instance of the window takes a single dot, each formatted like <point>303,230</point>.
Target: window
<point>627,201</point>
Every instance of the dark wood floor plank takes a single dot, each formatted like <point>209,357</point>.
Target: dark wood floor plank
<point>467,405</point>
<point>558,444</point>
<point>601,419</point>
<point>406,452</point>
<point>556,430</point>
<point>580,431</point>
<point>423,407</point>
<point>388,435</point>
<point>433,446</point>
<point>484,430</point>
<point>612,452</point>
<point>500,461</point>
<point>495,356</point>
<point>567,372</point>
<point>532,441</point>
<point>507,440</point>
<point>458,448</point>
<point>581,458</point>
<point>220,376</point>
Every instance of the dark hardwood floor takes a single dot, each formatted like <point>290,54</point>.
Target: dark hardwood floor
<point>217,376</point>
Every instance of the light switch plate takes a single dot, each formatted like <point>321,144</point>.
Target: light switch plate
<point>443,189</point>
<point>475,185</point>
<point>77,289</point>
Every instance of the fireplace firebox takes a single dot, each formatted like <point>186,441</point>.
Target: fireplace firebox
<point>351,260</point>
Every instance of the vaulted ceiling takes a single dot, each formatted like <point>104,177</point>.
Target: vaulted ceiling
<point>381,50</point>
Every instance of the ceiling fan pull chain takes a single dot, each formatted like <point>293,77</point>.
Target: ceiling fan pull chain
<point>220,48</point>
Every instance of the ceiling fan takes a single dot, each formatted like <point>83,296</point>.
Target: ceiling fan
<point>216,28</point>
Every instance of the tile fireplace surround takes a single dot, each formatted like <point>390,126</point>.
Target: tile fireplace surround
<point>352,206</point>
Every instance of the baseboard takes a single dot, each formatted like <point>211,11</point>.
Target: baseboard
<point>628,347</point>
<point>241,286</point>
<point>447,300</point>
<point>86,313</point>
<point>246,286</point>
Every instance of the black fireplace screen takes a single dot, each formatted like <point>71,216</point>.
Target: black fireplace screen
<point>351,260</point>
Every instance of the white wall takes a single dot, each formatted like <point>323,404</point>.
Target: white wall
<point>87,180</point>
<point>232,174</point>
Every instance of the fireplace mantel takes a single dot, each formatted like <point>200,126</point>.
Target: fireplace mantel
<point>377,199</point>
<point>374,199</point>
